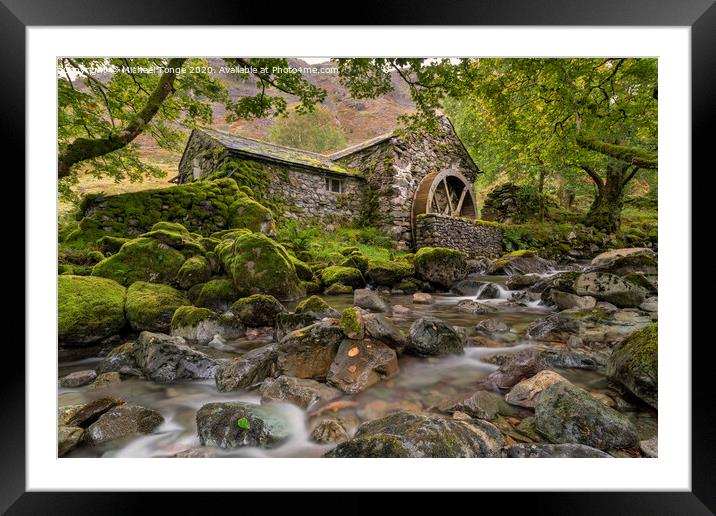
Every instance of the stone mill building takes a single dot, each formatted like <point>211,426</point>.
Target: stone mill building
<point>418,188</point>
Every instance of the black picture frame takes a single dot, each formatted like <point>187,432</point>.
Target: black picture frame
<point>17,15</point>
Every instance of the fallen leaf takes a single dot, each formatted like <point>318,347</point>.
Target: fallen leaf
<point>353,351</point>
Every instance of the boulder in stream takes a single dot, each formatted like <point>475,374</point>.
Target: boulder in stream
<point>555,451</point>
<point>430,336</point>
<point>309,352</point>
<point>370,300</point>
<point>257,310</point>
<point>440,267</point>
<point>360,364</point>
<point>634,363</point>
<point>236,424</point>
<point>250,369</point>
<point>302,392</point>
<point>166,359</point>
<point>122,421</point>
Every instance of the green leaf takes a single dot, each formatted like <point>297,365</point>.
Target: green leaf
<point>243,423</point>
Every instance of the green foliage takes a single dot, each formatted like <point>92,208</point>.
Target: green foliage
<point>243,423</point>
<point>316,132</point>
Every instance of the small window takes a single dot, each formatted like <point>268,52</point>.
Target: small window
<point>334,185</point>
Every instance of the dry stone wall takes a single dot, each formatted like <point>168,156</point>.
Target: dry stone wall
<point>473,237</point>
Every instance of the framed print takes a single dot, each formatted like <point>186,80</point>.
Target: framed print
<point>405,256</point>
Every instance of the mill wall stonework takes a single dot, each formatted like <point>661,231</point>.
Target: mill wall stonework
<point>474,238</point>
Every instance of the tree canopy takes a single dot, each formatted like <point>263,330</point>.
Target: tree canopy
<point>317,131</point>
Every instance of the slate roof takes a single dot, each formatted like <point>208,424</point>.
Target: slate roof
<point>276,153</point>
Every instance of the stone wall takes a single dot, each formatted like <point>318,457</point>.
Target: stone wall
<point>395,168</point>
<point>473,237</point>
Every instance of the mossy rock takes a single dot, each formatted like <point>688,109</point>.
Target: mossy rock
<point>357,261</point>
<point>141,259</point>
<point>216,294</point>
<point>312,304</point>
<point>195,270</point>
<point>88,309</point>
<point>303,270</point>
<point>352,322</point>
<point>338,289</point>
<point>111,244</point>
<point>258,265</point>
<point>345,275</point>
<point>190,316</point>
<point>634,363</point>
<point>257,310</point>
<point>229,234</point>
<point>440,266</point>
<point>246,213</point>
<point>177,236</point>
<point>311,287</point>
<point>150,306</point>
<point>389,272</point>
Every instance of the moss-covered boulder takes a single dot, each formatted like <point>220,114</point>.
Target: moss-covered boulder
<point>216,294</point>
<point>352,322</point>
<point>407,435</point>
<point>246,213</point>
<point>389,272</point>
<point>344,275</point>
<point>141,259</point>
<point>150,306</point>
<point>258,265</point>
<point>201,325</point>
<point>317,307</point>
<point>111,244</point>
<point>177,236</point>
<point>356,261</point>
<point>193,271</point>
<point>88,309</point>
<point>565,413</point>
<point>258,310</point>
<point>303,270</point>
<point>441,267</point>
<point>625,261</point>
<point>634,363</point>
<point>608,287</point>
<point>337,289</point>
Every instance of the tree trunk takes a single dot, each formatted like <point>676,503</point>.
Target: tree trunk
<point>605,212</point>
<point>82,149</point>
<point>540,191</point>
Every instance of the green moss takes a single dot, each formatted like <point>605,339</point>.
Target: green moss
<point>436,254</point>
<point>345,275</point>
<point>257,264</point>
<point>229,234</point>
<point>311,287</point>
<point>195,270</point>
<point>111,244</point>
<point>352,323</point>
<point>356,261</point>
<point>337,289</point>
<point>303,270</point>
<point>150,306</point>
<point>346,251</point>
<point>190,316</point>
<point>246,213</point>
<point>257,310</point>
<point>88,309</point>
<point>642,348</point>
<point>217,294</point>
<point>312,304</point>
<point>387,272</point>
<point>141,259</point>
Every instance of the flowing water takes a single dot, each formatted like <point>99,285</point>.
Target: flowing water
<point>420,384</point>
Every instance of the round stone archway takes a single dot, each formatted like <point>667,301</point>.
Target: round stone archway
<point>446,193</point>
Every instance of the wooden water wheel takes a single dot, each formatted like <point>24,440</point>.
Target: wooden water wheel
<point>445,193</point>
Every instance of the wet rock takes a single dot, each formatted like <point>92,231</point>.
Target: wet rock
<point>257,310</point>
<point>522,281</point>
<point>492,326</point>
<point>329,431</point>
<point>650,284</point>
<point>574,358</point>
<point>488,291</point>
<point>236,424</point>
<point>382,329</point>
<point>467,287</point>
<point>166,359</point>
<point>478,265</point>
<point>480,404</point>
<point>105,380</point>
<point>650,447</point>
<point>440,267</point>
<point>525,393</point>
<point>219,343</point>
<point>309,352</point>
<point>195,453</point>
<point>421,298</point>
<point>299,391</point>
<point>401,311</point>
<point>634,363</point>
<point>123,421</point>
<point>650,305</point>
<point>520,262</point>
<point>626,261</point>
<point>389,272</point>
<point>404,434</point>
<point>430,336</point>
<point>122,360</point>
<point>360,364</point>
<point>201,325</point>
<point>594,325</point>
<point>520,365</point>
<point>84,415</point>
<point>68,437</point>
<point>78,378</point>
<point>565,413</point>
<point>552,451</point>
<point>248,370</point>
<point>609,287</point>
<point>469,306</point>
<point>286,323</point>
<point>370,300</point>
<point>565,300</point>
